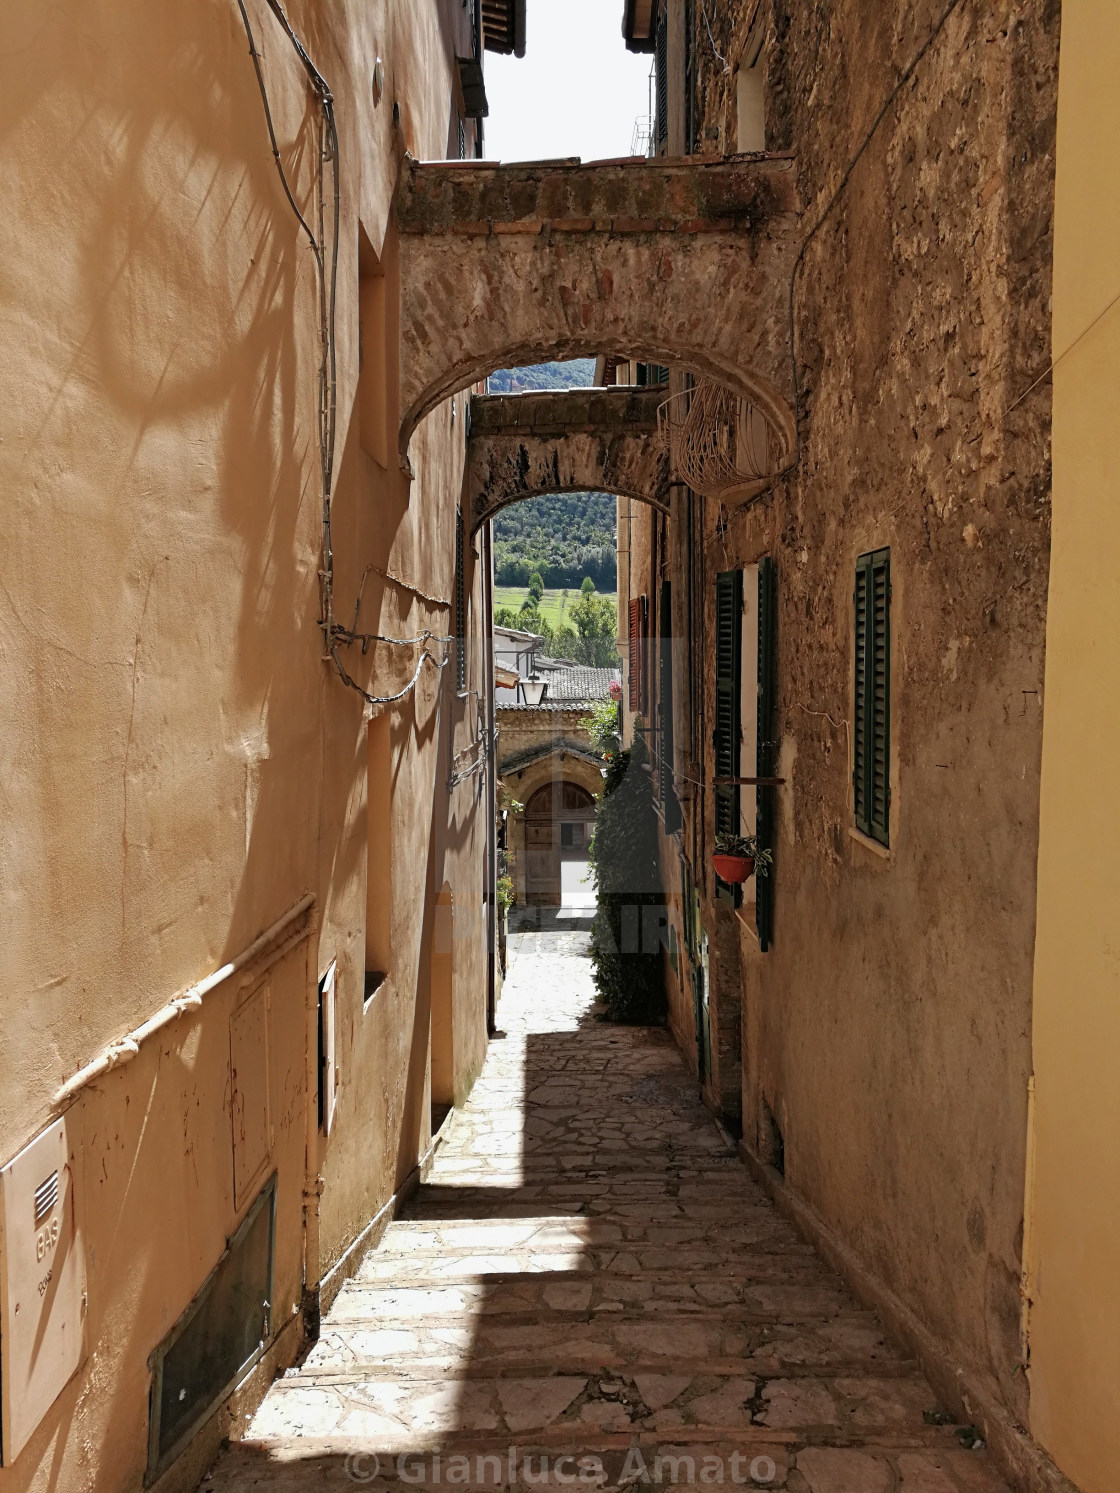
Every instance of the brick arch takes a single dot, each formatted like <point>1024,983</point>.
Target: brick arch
<point>683,263</point>
<point>575,440</point>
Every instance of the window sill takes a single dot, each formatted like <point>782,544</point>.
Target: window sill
<point>884,852</point>
<point>748,916</point>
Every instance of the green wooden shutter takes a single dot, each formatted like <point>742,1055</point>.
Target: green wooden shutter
<point>661,70</point>
<point>460,605</point>
<point>871,746</point>
<point>765,752</point>
<point>666,756</point>
<point>725,738</point>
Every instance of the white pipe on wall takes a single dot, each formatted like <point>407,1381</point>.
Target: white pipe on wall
<point>126,1048</point>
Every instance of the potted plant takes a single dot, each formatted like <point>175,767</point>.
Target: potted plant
<point>738,857</point>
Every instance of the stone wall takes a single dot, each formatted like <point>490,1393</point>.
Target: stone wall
<point>887,1033</point>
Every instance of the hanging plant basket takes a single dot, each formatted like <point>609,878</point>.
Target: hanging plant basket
<point>733,869</point>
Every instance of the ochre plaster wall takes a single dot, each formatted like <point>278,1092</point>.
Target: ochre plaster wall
<point>1074,1224</point>
<point>178,764</point>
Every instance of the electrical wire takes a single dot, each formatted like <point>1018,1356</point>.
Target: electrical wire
<point>345,635</point>
<point>353,684</point>
<point>327,278</point>
<point>718,55</point>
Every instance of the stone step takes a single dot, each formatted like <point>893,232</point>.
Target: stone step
<point>545,1340</point>
<point>585,1292</point>
<point>755,1459</point>
<point>398,1408</point>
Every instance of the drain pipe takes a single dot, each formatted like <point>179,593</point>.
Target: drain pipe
<point>491,791</point>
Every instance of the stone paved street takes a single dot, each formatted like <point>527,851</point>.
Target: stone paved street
<point>590,1286</point>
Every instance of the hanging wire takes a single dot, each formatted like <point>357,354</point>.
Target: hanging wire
<point>724,64</point>
<point>327,279</point>
<point>347,679</point>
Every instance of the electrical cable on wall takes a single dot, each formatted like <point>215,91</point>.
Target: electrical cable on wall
<point>327,277</point>
<point>347,679</point>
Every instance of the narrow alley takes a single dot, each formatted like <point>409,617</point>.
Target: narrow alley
<point>589,1287</point>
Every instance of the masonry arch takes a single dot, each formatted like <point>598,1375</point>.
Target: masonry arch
<point>575,440</point>
<point>559,818</point>
<point>686,264</point>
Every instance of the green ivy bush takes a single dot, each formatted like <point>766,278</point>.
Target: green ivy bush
<point>625,946</point>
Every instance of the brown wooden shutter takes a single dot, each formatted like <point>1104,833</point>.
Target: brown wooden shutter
<point>872,730</point>
<point>635,647</point>
<point>637,652</point>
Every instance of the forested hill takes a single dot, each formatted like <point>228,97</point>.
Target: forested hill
<point>578,374</point>
<point>565,537</point>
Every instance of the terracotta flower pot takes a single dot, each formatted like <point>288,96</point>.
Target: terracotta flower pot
<point>733,869</point>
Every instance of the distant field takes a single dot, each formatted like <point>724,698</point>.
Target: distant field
<point>554,604</point>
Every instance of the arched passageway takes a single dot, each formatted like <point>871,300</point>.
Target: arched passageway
<point>559,819</point>
<point>575,440</point>
<point>685,262</point>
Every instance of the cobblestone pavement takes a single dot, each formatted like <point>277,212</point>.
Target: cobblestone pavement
<point>590,1289</point>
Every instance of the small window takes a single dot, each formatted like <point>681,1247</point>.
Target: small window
<point>750,93</point>
<point>379,854</point>
<point>373,372</point>
<point>328,1065</point>
<point>872,729</point>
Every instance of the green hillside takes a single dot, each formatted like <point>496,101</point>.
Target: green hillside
<point>579,373</point>
<point>565,537</point>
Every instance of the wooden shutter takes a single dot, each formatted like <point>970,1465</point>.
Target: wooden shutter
<point>662,70</point>
<point>666,755</point>
<point>689,78</point>
<point>766,752</point>
<point>726,736</point>
<point>460,605</point>
<point>636,647</point>
<point>872,730</point>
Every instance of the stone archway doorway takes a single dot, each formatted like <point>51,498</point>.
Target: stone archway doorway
<point>559,819</point>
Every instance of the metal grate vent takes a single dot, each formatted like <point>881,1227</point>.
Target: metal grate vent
<point>46,1196</point>
<point>217,1339</point>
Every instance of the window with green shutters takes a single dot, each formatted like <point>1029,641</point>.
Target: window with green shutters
<point>460,605</point>
<point>766,757</point>
<point>666,790</point>
<point>661,70</point>
<point>728,727</point>
<point>871,745</point>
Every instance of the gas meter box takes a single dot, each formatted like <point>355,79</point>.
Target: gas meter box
<point>42,1282</point>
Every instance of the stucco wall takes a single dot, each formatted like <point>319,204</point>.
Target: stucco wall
<point>888,1030</point>
<point>1074,1223</point>
<point>179,765</point>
